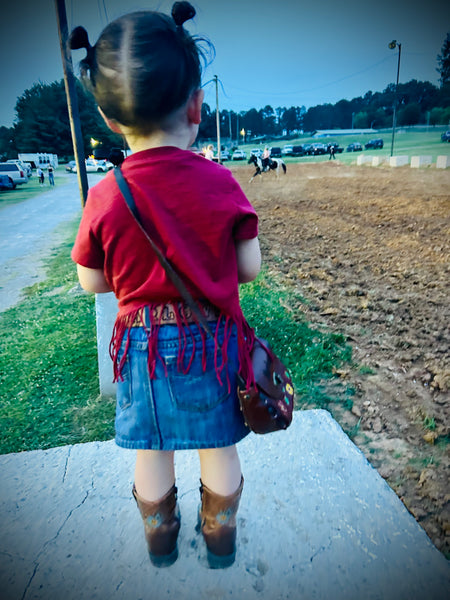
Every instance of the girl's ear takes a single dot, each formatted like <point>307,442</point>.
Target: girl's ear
<point>113,125</point>
<point>194,108</point>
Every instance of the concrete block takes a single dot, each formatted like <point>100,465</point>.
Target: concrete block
<point>420,161</point>
<point>105,312</point>
<point>398,161</point>
<point>377,161</point>
<point>363,160</point>
<point>442,162</point>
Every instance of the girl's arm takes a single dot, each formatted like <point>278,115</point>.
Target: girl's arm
<point>248,256</point>
<point>92,280</point>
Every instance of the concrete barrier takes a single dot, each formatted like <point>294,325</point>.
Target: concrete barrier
<point>105,313</point>
<point>363,160</point>
<point>420,161</point>
<point>377,161</point>
<point>442,162</point>
<point>398,161</point>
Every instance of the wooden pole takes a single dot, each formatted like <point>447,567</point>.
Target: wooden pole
<point>72,100</point>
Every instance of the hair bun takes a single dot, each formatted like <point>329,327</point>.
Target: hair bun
<point>182,12</point>
<point>79,39</point>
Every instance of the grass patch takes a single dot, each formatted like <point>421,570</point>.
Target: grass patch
<point>310,355</point>
<point>48,357</point>
<point>33,188</point>
<point>48,365</point>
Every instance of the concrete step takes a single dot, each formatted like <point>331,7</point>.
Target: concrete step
<point>316,522</point>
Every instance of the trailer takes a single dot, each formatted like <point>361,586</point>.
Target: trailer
<point>39,159</point>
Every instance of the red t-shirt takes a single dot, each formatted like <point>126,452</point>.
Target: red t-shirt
<point>194,209</point>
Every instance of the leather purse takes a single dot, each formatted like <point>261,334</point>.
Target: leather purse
<point>266,406</point>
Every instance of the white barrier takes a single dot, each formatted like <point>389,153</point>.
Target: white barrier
<point>420,161</point>
<point>106,310</point>
<point>377,161</point>
<point>398,161</point>
<point>442,162</point>
<point>362,159</point>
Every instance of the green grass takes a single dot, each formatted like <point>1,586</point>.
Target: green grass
<point>48,365</point>
<point>48,357</point>
<point>310,355</point>
<point>28,190</point>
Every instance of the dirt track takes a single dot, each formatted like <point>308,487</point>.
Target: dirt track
<point>369,248</point>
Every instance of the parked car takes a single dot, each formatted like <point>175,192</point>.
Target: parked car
<point>6,183</point>
<point>224,155</point>
<point>337,149</point>
<point>95,166</point>
<point>318,148</point>
<point>287,150</point>
<point>445,137</point>
<point>307,148</point>
<point>70,165</point>
<point>256,152</point>
<point>354,147</point>
<point>298,151</point>
<point>13,171</point>
<point>25,168</point>
<point>374,144</point>
<point>275,152</point>
<point>239,155</point>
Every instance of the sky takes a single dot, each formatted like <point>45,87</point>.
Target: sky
<point>268,52</point>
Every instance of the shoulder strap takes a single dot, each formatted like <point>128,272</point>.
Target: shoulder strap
<point>170,271</point>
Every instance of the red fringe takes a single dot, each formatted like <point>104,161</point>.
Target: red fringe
<point>246,338</point>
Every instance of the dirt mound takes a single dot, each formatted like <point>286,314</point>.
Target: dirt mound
<point>369,249</point>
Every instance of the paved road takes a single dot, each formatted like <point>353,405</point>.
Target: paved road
<point>28,233</point>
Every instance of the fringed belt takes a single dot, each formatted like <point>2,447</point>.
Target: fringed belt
<point>166,314</point>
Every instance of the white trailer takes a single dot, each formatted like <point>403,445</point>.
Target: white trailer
<point>39,159</point>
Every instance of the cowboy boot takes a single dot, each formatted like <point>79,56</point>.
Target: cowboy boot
<point>162,524</point>
<point>217,521</point>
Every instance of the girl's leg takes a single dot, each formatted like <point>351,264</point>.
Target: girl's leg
<point>220,469</point>
<point>154,474</point>
<point>156,496</point>
<point>220,491</point>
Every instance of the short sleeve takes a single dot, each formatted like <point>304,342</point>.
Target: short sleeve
<point>246,221</point>
<point>87,250</point>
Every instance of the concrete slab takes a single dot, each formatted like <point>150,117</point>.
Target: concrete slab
<point>442,162</point>
<point>316,522</point>
<point>421,161</point>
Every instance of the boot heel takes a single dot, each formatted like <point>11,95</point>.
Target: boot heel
<point>163,561</point>
<point>220,562</point>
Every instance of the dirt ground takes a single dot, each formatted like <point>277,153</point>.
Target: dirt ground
<point>369,249</point>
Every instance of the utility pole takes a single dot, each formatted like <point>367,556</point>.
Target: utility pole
<point>392,46</point>
<point>72,101</point>
<point>217,118</point>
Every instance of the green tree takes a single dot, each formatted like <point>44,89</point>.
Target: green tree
<point>409,114</point>
<point>444,62</point>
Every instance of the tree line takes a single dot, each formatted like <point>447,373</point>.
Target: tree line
<point>42,118</point>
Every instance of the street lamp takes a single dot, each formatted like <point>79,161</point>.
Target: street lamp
<point>243,135</point>
<point>392,46</point>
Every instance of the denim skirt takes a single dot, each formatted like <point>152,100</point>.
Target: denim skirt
<point>173,410</point>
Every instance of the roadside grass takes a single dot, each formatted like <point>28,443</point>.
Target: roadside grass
<point>48,364</point>
<point>48,357</point>
<point>32,188</point>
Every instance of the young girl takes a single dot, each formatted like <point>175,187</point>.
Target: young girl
<point>176,385</point>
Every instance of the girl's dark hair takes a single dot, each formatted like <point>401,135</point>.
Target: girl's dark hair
<point>144,65</point>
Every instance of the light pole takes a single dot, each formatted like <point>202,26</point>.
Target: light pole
<point>393,45</point>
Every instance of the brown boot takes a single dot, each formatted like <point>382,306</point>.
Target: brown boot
<point>162,524</point>
<point>217,520</point>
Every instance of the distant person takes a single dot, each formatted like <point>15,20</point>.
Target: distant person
<point>332,152</point>
<point>209,154</point>
<point>176,386</point>
<point>266,158</point>
<point>51,177</point>
<point>40,174</point>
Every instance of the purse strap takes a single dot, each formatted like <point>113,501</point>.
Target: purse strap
<point>168,268</point>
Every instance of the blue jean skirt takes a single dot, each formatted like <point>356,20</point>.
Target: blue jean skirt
<point>174,410</point>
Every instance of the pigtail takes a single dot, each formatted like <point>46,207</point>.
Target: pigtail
<point>79,39</point>
<point>182,12</point>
